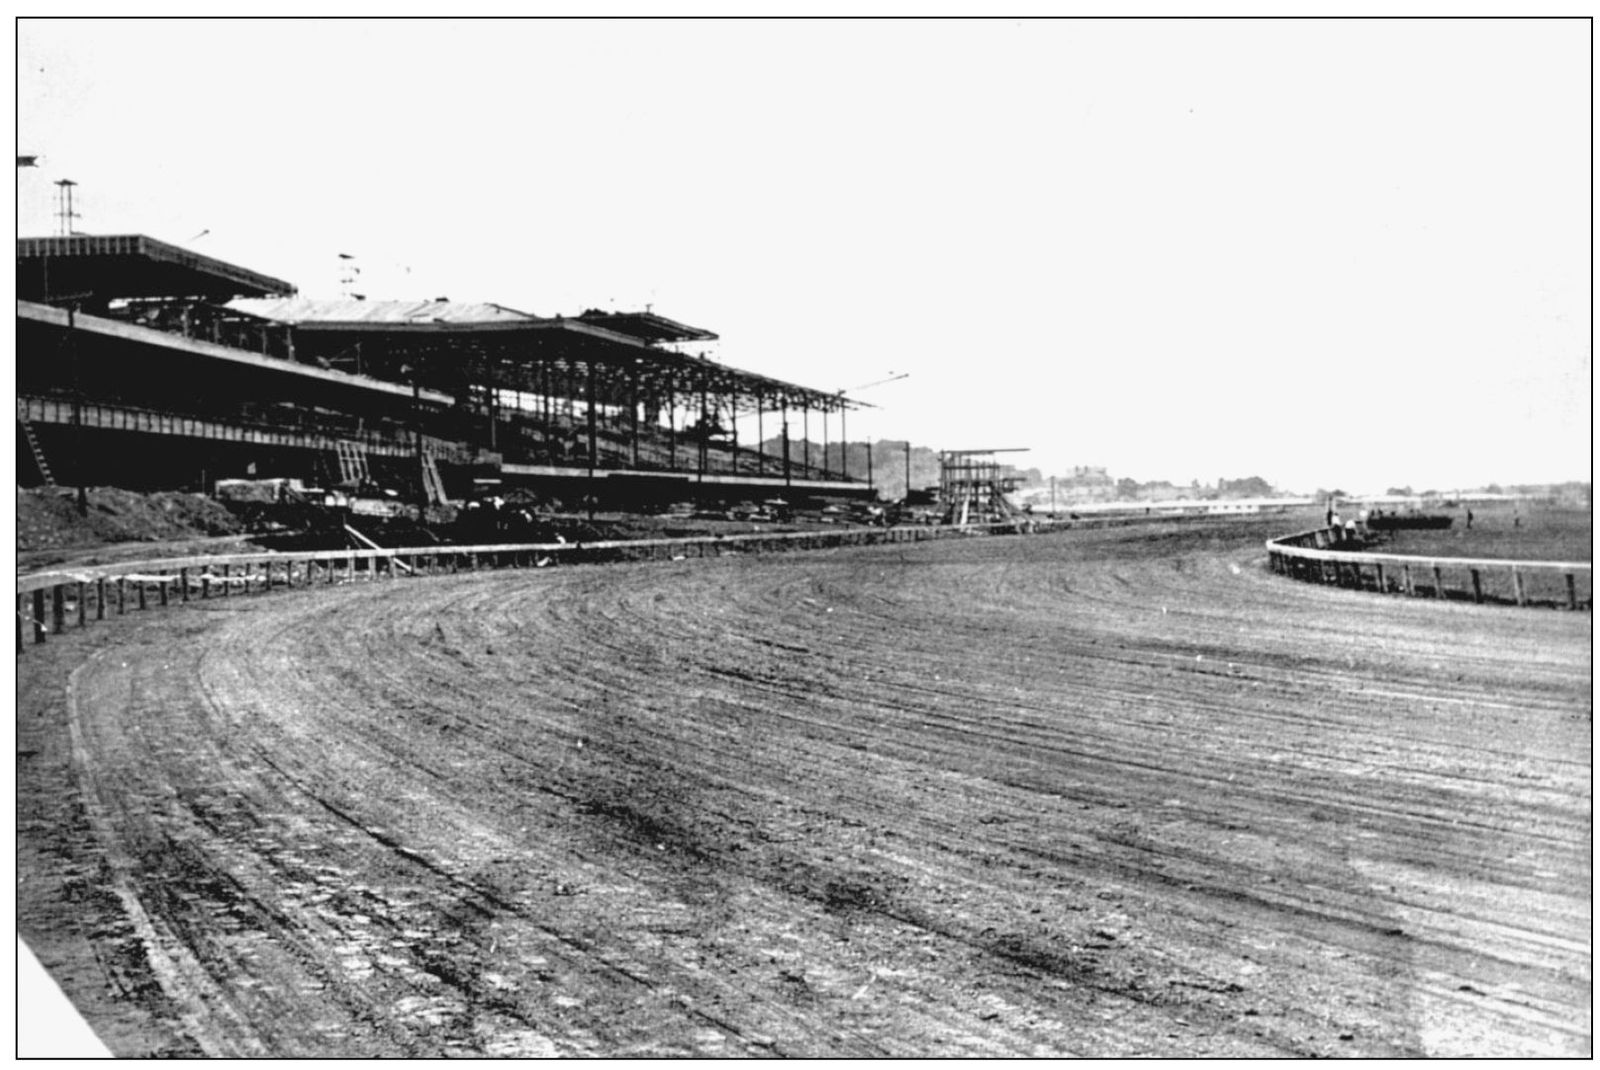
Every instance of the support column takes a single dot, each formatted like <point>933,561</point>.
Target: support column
<point>824,443</point>
<point>704,416</point>
<point>416,443</point>
<point>733,422</point>
<point>788,471</point>
<point>594,447</point>
<point>633,410</point>
<point>492,404</point>
<point>549,405</point>
<point>672,426</point>
<point>805,433</point>
<point>844,442</point>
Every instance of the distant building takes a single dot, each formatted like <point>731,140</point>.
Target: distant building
<point>1086,484</point>
<point>1163,492</point>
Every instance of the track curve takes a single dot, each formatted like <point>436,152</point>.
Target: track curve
<point>1097,793</point>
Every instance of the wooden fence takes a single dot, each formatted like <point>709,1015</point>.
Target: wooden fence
<point>1314,556</point>
<point>49,602</point>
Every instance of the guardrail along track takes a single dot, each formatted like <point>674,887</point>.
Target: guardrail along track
<point>48,601</point>
<point>1312,556</point>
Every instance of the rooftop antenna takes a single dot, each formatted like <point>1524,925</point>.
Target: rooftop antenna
<point>64,211</point>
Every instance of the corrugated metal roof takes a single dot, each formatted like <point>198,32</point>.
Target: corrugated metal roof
<point>109,266</point>
<point>647,325</point>
<point>344,310</point>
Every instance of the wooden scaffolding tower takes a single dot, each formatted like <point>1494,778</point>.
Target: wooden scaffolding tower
<point>973,486</point>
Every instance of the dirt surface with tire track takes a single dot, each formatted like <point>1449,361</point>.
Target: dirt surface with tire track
<point>1092,793</point>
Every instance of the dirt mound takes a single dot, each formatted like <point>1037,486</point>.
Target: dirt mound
<point>47,518</point>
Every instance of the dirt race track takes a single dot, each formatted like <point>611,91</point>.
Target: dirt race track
<point>1096,793</point>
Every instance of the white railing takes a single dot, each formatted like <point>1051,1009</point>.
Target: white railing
<point>1314,556</point>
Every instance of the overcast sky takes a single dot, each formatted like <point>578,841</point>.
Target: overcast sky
<point>1331,253</point>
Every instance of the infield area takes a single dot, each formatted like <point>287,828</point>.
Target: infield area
<point>1105,793</point>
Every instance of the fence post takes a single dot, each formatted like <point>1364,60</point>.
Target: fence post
<point>1438,582</point>
<point>100,599</point>
<point>83,603</point>
<point>38,616</point>
<point>183,578</point>
<point>166,595</point>
<point>1477,587</point>
<point>1516,581</point>
<point>22,608</point>
<point>1572,592</point>
<point>1405,576</point>
<point>58,609</point>
<point>1383,587</point>
<point>143,596</point>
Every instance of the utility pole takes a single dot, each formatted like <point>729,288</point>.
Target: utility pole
<point>844,435</point>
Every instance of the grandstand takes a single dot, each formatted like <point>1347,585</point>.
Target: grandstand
<point>145,365</point>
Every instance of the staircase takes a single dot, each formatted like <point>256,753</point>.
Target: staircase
<point>353,468</point>
<point>33,444</point>
<point>432,484</point>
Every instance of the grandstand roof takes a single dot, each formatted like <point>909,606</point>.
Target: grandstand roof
<point>518,337</point>
<point>647,325</point>
<point>347,310</point>
<point>97,268</point>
